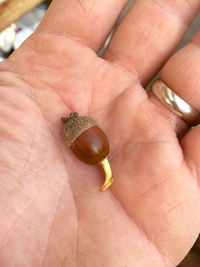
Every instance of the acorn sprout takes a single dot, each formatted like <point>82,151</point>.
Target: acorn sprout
<point>88,142</point>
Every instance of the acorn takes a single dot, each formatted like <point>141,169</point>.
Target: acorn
<point>88,142</point>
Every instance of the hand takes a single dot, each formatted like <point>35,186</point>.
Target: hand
<point>52,212</point>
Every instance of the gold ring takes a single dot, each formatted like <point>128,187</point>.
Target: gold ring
<point>175,103</point>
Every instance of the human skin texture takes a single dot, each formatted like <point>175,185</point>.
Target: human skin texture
<point>51,210</point>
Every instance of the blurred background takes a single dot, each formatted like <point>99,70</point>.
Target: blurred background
<point>19,19</point>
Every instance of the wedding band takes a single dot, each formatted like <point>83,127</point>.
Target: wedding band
<point>176,104</point>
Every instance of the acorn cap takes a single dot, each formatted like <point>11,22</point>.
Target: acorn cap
<point>76,125</point>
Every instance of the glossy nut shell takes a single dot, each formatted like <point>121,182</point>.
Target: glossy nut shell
<point>91,146</point>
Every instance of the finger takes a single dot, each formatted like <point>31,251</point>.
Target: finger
<point>182,74</point>
<point>190,145</point>
<point>149,34</point>
<point>86,20</point>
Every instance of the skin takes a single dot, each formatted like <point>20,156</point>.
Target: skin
<point>51,210</point>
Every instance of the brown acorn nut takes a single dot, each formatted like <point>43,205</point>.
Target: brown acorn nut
<point>88,142</point>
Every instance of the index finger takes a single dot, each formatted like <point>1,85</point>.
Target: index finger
<point>88,21</point>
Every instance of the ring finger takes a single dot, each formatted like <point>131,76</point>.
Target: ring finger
<point>149,33</point>
<point>182,74</point>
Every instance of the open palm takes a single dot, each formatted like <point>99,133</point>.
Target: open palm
<point>52,212</point>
